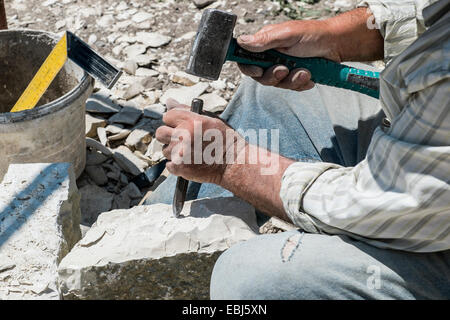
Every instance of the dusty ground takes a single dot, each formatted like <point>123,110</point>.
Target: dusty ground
<point>174,18</point>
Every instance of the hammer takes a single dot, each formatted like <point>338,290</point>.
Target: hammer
<point>214,44</point>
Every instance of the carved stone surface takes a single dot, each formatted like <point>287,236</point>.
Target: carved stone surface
<point>146,253</point>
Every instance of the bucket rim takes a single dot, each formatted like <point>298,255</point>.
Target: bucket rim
<point>53,106</point>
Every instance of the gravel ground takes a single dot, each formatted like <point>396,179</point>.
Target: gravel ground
<point>173,18</point>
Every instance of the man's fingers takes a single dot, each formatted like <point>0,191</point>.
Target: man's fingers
<point>251,71</point>
<point>298,79</point>
<point>174,104</point>
<point>270,37</point>
<point>164,134</point>
<point>176,116</point>
<point>273,75</point>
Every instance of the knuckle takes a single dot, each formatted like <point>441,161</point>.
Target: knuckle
<point>159,133</point>
<point>170,167</point>
<point>166,116</point>
<point>262,38</point>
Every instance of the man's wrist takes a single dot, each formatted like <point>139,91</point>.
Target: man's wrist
<point>235,160</point>
<point>351,39</point>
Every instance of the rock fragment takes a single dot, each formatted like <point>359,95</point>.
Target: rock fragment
<point>114,128</point>
<point>94,158</point>
<point>133,90</point>
<point>128,115</point>
<point>213,102</point>
<point>141,17</point>
<point>94,144</point>
<point>152,39</point>
<point>276,225</point>
<point>145,72</point>
<point>154,151</point>
<point>120,136</point>
<point>134,50</point>
<point>97,174</point>
<point>94,200</point>
<point>154,111</point>
<point>130,67</point>
<point>105,21</point>
<point>128,161</point>
<point>101,103</point>
<point>139,138</point>
<point>184,78</point>
<point>101,134</point>
<point>185,94</point>
<point>200,4</point>
<point>92,123</point>
<point>144,60</point>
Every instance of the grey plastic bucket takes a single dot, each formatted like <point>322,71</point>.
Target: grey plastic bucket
<point>54,131</point>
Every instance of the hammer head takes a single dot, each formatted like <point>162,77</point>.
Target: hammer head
<point>211,44</point>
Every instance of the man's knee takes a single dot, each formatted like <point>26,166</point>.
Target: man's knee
<point>290,265</point>
<point>266,267</point>
<point>231,275</point>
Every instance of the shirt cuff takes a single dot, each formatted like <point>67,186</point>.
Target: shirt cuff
<point>295,182</point>
<point>397,22</point>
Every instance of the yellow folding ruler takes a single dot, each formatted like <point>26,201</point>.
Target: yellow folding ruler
<point>72,47</point>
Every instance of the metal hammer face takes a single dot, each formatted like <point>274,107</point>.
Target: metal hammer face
<point>211,44</point>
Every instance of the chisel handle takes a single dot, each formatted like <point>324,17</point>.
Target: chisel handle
<point>182,184</point>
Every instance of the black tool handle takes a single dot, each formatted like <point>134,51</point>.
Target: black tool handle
<point>182,184</point>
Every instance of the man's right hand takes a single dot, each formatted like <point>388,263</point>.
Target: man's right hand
<point>342,38</point>
<point>295,38</point>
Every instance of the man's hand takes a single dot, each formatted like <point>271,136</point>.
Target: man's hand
<point>295,38</point>
<point>342,38</point>
<point>207,150</point>
<point>190,156</point>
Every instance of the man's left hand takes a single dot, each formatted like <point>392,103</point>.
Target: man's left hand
<point>196,145</point>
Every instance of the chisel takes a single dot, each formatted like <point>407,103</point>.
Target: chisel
<point>182,184</point>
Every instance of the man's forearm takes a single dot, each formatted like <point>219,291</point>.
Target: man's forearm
<point>351,37</point>
<point>259,183</point>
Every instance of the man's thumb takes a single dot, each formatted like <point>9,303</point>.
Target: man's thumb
<point>258,42</point>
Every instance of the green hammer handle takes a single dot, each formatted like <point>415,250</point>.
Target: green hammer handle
<point>323,71</point>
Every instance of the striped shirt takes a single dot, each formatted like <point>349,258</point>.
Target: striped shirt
<point>398,197</point>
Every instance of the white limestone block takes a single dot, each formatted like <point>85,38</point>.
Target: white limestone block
<point>146,253</point>
<point>39,224</point>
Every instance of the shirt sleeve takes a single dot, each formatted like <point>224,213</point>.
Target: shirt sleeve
<point>400,22</point>
<point>398,196</point>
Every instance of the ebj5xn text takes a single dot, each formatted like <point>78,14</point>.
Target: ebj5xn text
<point>230,309</point>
